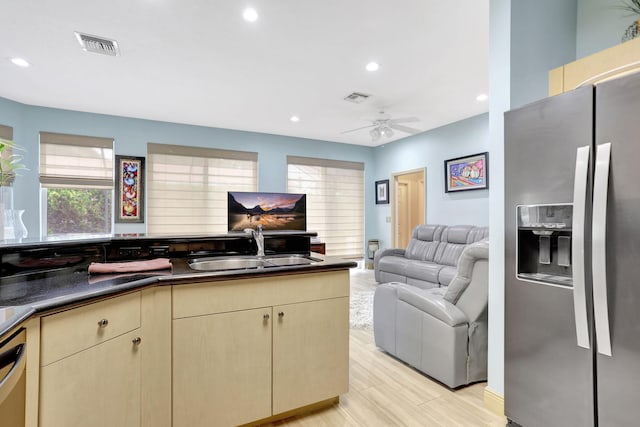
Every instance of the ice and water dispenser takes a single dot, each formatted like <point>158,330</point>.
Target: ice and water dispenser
<point>544,243</point>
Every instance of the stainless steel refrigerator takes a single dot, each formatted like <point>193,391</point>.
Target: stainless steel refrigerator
<point>572,258</point>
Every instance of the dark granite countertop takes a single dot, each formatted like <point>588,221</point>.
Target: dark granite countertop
<point>22,299</point>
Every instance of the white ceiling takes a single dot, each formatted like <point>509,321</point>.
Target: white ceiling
<point>198,62</point>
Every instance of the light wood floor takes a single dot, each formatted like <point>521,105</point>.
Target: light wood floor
<point>385,392</point>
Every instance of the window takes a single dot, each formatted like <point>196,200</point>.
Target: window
<point>335,201</point>
<point>6,132</point>
<point>187,187</point>
<point>76,175</point>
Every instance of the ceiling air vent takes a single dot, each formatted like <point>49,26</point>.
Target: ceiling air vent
<point>97,44</point>
<point>357,97</point>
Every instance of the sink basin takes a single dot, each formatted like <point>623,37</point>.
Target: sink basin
<point>247,263</point>
<point>221,264</point>
<point>281,261</point>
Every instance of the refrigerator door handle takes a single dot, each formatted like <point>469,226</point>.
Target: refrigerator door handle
<point>577,246</point>
<point>599,248</point>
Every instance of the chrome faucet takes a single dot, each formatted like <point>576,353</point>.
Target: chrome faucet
<point>259,238</point>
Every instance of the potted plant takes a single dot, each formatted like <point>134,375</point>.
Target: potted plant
<point>10,162</point>
<point>633,30</point>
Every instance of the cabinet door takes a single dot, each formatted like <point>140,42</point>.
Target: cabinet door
<point>310,352</point>
<point>99,386</point>
<point>222,368</point>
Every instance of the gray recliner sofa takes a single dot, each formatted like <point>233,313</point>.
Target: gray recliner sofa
<point>441,331</point>
<point>430,260</point>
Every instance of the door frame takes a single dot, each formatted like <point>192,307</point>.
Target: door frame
<point>393,193</point>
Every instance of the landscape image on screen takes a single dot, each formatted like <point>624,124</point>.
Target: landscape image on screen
<point>274,211</point>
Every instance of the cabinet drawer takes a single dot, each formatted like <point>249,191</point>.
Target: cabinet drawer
<point>230,295</point>
<point>71,331</point>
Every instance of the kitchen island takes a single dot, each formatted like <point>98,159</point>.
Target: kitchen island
<point>180,346</point>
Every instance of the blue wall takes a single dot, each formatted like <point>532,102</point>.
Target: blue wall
<point>132,135</point>
<point>543,37</point>
<point>601,25</point>
<point>429,150</point>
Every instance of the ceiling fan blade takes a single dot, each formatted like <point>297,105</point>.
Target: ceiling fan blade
<point>405,120</point>
<point>405,129</point>
<point>353,130</point>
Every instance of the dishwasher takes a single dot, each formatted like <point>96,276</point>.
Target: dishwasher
<point>13,379</point>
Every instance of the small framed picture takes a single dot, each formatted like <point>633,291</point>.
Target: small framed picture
<point>382,192</point>
<point>129,203</point>
<point>467,173</point>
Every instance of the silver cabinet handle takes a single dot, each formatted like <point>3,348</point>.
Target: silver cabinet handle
<point>103,323</point>
<point>577,246</point>
<point>599,248</point>
<point>136,341</point>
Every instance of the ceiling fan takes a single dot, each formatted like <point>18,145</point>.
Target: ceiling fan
<point>384,125</point>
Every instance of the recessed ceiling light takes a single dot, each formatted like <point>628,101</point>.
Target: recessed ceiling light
<point>372,66</point>
<point>482,97</point>
<point>250,14</point>
<point>20,62</point>
<point>295,119</point>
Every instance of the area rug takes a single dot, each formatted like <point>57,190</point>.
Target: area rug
<point>361,313</point>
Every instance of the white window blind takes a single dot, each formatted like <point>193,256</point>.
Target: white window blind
<point>187,187</point>
<point>75,161</point>
<point>76,174</point>
<point>335,201</point>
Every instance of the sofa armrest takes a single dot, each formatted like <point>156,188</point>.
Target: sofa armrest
<point>433,304</point>
<point>382,253</point>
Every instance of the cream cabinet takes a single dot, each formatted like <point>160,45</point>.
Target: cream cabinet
<point>310,352</point>
<point>222,368</point>
<point>250,349</point>
<point>106,363</point>
<point>90,365</point>
<point>614,62</point>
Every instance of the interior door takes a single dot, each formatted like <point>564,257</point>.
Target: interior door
<point>409,205</point>
<point>548,378</point>
<point>617,113</point>
<point>403,215</point>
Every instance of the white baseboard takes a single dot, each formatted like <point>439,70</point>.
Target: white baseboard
<point>494,401</point>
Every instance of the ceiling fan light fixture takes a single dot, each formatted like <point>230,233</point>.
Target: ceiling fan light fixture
<point>375,134</point>
<point>386,131</point>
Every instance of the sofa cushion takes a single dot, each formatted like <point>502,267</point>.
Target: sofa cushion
<point>446,274</point>
<point>422,284</point>
<point>457,233</point>
<point>421,250</point>
<point>474,252</point>
<point>449,253</point>
<point>394,264</point>
<point>424,242</point>
<point>477,234</point>
<point>423,270</point>
<point>430,301</point>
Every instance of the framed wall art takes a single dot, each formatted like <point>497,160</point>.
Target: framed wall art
<point>129,203</point>
<point>382,192</point>
<point>467,173</point>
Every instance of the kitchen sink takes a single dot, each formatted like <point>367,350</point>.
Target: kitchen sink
<point>284,260</point>
<point>251,262</point>
<point>220,264</point>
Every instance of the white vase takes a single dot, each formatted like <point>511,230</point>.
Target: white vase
<point>19,229</point>
<point>6,203</point>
